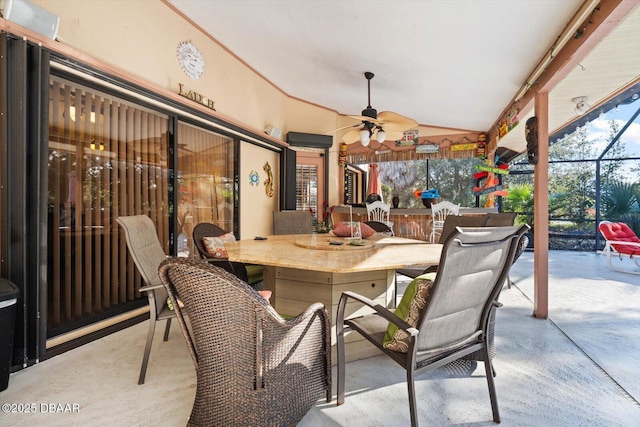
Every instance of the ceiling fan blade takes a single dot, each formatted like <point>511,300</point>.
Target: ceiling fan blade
<point>393,135</point>
<point>367,119</point>
<point>396,122</point>
<point>361,119</point>
<point>345,127</point>
<point>351,136</point>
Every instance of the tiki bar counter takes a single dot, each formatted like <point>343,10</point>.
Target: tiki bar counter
<point>410,223</point>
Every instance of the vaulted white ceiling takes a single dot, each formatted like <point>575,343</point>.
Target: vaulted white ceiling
<point>444,63</point>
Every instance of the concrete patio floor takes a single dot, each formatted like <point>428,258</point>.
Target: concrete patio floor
<point>580,367</point>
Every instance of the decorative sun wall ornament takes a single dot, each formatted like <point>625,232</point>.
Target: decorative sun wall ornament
<point>190,59</point>
<point>254,178</point>
<point>268,183</point>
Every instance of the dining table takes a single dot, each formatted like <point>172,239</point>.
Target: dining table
<point>302,269</point>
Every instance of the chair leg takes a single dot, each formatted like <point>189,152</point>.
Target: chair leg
<point>394,303</point>
<point>340,350</point>
<point>166,330</point>
<point>340,353</point>
<point>489,373</point>
<point>412,398</point>
<point>147,349</point>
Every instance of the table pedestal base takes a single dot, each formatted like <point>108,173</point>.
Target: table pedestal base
<point>294,290</point>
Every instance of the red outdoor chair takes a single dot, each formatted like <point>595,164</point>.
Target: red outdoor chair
<point>622,242</point>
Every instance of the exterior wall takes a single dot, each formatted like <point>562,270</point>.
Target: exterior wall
<point>256,207</point>
<point>140,37</point>
<point>304,117</point>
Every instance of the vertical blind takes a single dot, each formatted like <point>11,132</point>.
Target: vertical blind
<point>107,158</point>
<point>207,191</point>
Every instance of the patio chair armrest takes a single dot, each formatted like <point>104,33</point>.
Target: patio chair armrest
<point>625,248</point>
<point>380,310</point>
<point>214,260</point>
<point>150,288</point>
<point>236,268</point>
<point>302,332</point>
<point>622,242</point>
<point>312,310</point>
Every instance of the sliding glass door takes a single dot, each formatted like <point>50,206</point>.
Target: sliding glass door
<point>107,158</point>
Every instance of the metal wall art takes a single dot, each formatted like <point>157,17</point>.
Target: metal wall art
<point>254,178</point>
<point>268,183</point>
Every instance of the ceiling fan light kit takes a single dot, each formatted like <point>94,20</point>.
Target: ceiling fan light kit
<point>365,137</point>
<point>386,126</point>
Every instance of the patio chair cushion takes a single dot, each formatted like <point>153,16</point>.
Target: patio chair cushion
<point>254,273</point>
<point>215,245</point>
<point>621,232</point>
<point>343,229</point>
<point>413,300</point>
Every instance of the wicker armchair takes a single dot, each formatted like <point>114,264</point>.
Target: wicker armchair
<point>253,368</point>
<point>252,274</point>
<point>454,319</point>
<point>380,227</point>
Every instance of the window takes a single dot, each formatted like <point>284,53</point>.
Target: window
<point>307,188</point>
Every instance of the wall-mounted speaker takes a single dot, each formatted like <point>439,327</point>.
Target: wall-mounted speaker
<point>30,16</point>
<point>273,131</point>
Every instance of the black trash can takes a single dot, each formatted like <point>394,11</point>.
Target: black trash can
<point>9,294</point>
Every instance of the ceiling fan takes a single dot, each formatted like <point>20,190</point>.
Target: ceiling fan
<point>386,125</point>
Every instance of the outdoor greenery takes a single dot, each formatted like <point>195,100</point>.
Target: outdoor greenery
<point>452,177</point>
<point>620,199</point>
<point>572,182</point>
<point>520,201</point>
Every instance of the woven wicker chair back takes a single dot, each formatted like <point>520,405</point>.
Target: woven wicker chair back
<point>253,367</point>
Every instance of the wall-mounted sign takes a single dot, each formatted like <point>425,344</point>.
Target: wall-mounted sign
<point>409,137</point>
<point>464,147</point>
<point>480,191</point>
<point>427,148</point>
<point>498,170</point>
<point>197,97</point>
